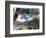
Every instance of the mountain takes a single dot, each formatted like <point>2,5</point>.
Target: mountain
<point>24,18</point>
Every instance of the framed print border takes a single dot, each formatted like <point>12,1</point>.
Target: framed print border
<point>7,18</point>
